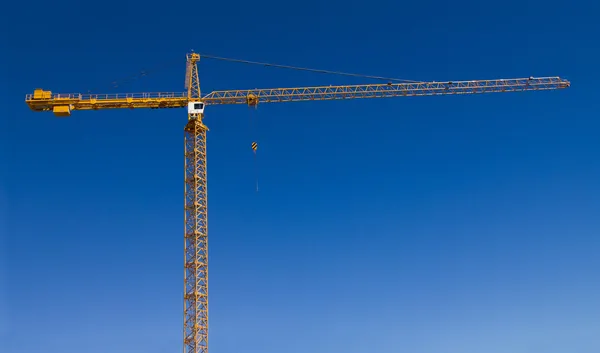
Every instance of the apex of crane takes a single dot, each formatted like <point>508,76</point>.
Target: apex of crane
<point>193,57</point>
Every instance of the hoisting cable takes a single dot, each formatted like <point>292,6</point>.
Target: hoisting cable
<point>306,69</point>
<point>254,146</point>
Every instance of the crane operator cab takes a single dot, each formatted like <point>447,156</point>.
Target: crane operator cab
<point>196,108</point>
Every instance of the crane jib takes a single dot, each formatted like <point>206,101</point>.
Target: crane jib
<point>62,104</point>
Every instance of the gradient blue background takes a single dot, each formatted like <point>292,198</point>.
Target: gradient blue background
<point>434,224</point>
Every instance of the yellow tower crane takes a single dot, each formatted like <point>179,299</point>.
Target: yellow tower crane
<point>195,317</point>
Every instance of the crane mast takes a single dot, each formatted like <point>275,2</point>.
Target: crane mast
<point>195,303</point>
<point>195,310</point>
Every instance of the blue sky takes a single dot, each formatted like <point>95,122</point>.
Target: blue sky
<point>431,224</point>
